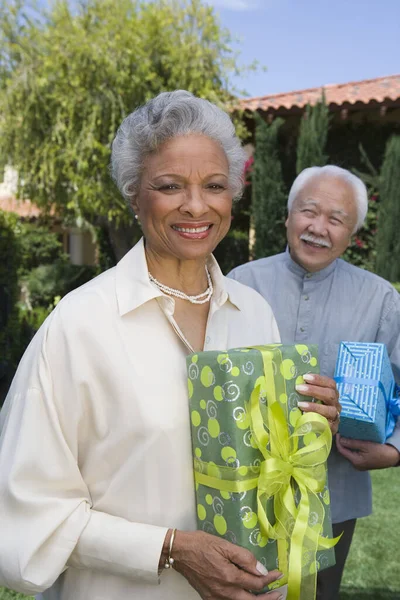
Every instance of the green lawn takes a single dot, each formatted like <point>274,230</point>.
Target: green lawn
<point>372,570</point>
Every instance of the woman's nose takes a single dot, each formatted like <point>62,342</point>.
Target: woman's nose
<point>194,202</point>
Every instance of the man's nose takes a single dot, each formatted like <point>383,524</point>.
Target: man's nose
<point>319,226</point>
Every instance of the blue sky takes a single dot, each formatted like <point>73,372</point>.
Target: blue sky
<point>308,43</point>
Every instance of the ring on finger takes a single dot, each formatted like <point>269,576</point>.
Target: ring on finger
<point>336,419</point>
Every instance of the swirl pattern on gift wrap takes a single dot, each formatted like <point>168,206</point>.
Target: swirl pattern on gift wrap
<point>248,368</point>
<point>218,505</point>
<point>231,537</point>
<point>224,438</point>
<point>193,371</point>
<point>211,409</point>
<point>247,439</point>
<point>203,436</point>
<point>231,391</point>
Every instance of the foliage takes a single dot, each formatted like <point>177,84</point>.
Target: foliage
<point>233,250</point>
<point>71,73</point>
<point>47,282</point>
<point>388,239</point>
<point>362,251</point>
<point>39,246</point>
<point>313,135</point>
<point>9,291</point>
<point>269,197</point>
<point>106,254</point>
<point>396,286</point>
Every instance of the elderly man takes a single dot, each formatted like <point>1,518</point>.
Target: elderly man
<point>317,297</point>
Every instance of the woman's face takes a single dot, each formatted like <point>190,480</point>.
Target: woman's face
<point>184,201</point>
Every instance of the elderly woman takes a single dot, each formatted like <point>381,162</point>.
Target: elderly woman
<point>96,481</point>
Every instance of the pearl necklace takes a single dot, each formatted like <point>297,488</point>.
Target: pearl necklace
<point>199,299</point>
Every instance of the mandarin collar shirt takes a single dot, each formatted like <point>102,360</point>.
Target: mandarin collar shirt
<point>95,449</point>
<point>339,303</point>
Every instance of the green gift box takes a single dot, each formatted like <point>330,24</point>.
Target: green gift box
<point>259,462</point>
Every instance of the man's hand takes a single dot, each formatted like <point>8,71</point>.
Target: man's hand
<point>219,570</point>
<point>324,389</point>
<point>366,456</point>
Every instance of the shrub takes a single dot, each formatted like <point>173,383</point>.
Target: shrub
<point>39,246</point>
<point>47,282</point>
<point>362,252</point>
<point>9,291</point>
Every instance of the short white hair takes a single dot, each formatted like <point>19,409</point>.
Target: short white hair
<point>169,115</point>
<point>359,188</point>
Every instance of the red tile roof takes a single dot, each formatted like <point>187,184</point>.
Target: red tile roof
<point>23,208</point>
<point>369,90</point>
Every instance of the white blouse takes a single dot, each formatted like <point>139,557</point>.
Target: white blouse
<point>95,450</point>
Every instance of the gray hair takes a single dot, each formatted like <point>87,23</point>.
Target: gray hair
<point>359,189</point>
<point>168,115</point>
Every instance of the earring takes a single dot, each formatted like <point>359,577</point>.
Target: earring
<point>136,217</point>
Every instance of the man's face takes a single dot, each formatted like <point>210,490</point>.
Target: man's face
<point>321,221</point>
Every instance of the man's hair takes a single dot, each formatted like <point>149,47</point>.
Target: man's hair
<point>358,186</point>
<point>169,115</point>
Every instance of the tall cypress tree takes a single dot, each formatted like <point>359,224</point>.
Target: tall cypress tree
<point>268,192</point>
<point>388,236</point>
<point>313,135</point>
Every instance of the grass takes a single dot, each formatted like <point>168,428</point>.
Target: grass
<point>9,595</point>
<point>372,570</point>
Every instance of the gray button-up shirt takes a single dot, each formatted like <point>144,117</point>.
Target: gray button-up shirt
<point>339,303</point>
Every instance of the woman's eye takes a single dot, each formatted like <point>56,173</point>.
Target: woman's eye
<point>168,187</point>
<point>215,186</point>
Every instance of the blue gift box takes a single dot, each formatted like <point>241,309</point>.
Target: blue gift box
<point>366,387</point>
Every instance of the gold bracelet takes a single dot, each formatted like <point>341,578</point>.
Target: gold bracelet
<point>170,561</point>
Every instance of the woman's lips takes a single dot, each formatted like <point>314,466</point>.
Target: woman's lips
<point>192,232</point>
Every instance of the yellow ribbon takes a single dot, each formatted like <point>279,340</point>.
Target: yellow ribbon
<point>285,461</point>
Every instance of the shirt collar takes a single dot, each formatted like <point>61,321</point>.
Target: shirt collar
<point>301,272</point>
<point>134,288</point>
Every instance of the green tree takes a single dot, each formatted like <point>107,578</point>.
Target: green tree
<point>71,73</point>
<point>313,135</point>
<point>9,292</point>
<point>268,192</point>
<point>388,238</point>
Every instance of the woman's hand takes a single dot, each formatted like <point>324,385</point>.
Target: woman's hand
<point>219,570</point>
<point>324,389</point>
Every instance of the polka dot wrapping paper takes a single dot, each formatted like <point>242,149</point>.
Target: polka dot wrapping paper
<point>259,463</point>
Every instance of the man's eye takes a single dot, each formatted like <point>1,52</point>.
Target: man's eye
<point>308,212</point>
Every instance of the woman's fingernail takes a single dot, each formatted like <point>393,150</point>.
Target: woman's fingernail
<point>261,569</point>
<point>308,377</point>
<point>303,404</point>
<point>302,388</point>
<point>280,577</point>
